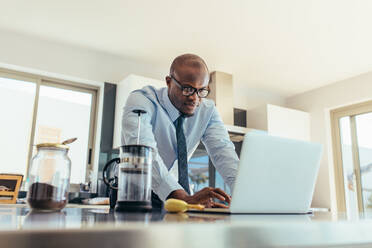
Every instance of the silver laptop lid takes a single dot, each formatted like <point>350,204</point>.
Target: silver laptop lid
<point>275,175</point>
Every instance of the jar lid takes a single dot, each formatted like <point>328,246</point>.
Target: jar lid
<point>52,145</point>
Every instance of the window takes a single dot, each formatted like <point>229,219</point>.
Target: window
<point>202,172</point>
<point>198,167</point>
<point>44,110</point>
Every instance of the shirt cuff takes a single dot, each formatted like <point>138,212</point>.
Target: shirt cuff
<point>167,186</point>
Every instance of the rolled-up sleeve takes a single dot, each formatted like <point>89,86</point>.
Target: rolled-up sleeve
<point>163,183</point>
<point>221,149</point>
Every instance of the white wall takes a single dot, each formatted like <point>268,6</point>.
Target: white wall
<point>35,53</point>
<point>318,103</point>
<point>82,62</point>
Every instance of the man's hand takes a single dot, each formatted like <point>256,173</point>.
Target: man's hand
<point>205,197</point>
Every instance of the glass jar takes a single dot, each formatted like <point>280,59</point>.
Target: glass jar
<point>49,178</point>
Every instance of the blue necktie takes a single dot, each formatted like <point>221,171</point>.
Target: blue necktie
<point>183,175</point>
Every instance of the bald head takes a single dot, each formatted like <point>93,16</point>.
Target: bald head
<point>188,71</point>
<point>191,61</point>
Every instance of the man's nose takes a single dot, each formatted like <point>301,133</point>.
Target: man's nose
<point>194,97</point>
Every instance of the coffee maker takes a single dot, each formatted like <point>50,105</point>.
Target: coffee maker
<point>130,182</point>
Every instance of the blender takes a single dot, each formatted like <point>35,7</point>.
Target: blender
<point>131,183</point>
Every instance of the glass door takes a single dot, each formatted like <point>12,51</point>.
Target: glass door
<point>363,126</point>
<point>351,198</point>
<point>352,137</point>
<point>65,112</point>
<point>17,98</point>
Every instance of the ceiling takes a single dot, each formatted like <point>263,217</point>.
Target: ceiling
<point>286,46</point>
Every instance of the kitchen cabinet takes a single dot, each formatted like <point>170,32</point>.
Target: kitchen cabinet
<point>280,121</point>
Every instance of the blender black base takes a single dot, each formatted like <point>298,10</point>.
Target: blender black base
<point>133,206</point>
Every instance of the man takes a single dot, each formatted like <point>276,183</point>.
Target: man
<point>179,117</point>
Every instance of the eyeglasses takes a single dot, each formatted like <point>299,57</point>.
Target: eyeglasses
<point>189,91</point>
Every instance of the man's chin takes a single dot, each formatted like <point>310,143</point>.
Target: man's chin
<point>189,111</point>
<point>187,114</point>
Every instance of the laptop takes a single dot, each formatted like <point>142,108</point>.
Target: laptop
<point>275,176</point>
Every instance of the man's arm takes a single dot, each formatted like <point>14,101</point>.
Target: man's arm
<point>221,150</point>
<point>163,183</point>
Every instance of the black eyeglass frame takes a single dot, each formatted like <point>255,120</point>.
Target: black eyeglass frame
<point>185,93</point>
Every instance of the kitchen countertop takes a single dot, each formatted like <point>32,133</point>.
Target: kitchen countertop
<point>97,226</point>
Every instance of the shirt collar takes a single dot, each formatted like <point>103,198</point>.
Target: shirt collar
<point>169,107</point>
